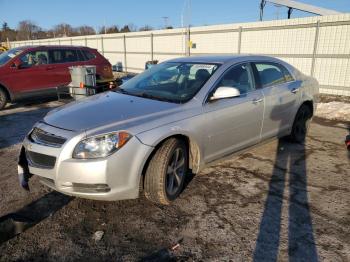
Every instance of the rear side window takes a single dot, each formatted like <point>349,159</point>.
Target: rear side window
<point>63,56</point>
<point>272,74</point>
<point>70,56</point>
<point>88,55</point>
<point>80,55</point>
<point>34,58</point>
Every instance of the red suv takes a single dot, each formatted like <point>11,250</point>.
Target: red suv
<point>38,70</point>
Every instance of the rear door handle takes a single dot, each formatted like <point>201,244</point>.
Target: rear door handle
<point>295,90</point>
<point>257,100</point>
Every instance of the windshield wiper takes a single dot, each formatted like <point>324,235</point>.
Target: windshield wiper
<point>122,90</point>
<point>146,95</point>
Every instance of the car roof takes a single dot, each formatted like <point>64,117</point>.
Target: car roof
<point>220,59</point>
<point>49,46</point>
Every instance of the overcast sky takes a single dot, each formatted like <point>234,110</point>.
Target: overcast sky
<point>145,12</point>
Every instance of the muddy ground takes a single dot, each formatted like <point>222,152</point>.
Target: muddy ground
<point>278,201</point>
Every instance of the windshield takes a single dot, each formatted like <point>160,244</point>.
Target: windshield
<point>172,81</point>
<point>8,55</point>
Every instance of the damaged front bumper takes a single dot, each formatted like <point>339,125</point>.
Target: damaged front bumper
<point>23,170</point>
<point>115,177</point>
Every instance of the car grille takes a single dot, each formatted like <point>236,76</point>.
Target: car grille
<point>40,160</point>
<point>41,137</point>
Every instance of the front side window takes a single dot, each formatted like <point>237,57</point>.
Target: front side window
<point>34,58</point>
<point>239,77</point>
<point>173,81</point>
<point>272,74</point>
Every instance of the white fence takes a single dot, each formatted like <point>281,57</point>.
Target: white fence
<point>318,46</point>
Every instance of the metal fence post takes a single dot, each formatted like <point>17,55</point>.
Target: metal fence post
<point>151,35</point>
<point>102,46</point>
<point>239,40</point>
<point>315,48</point>
<point>125,64</point>
<point>188,40</point>
<point>71,41</point>
<point>59,41</point>
<point>85,41</point>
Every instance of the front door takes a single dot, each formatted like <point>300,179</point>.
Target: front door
<point>33,74</point>
<point>234,123</point>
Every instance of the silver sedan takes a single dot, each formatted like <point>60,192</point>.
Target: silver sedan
<point>172,119</point>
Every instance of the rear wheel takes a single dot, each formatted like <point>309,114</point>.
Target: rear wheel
<point>3,98</point>
<point>301,124</point>
<point>166,172</point>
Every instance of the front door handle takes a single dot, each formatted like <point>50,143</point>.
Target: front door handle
<point>50,68</point>
<point>257,100</point>
<point>295,90</point>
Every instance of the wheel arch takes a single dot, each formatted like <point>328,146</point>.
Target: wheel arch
<point>8,93</point>
<point>309,104</point>
<point>194,152</point>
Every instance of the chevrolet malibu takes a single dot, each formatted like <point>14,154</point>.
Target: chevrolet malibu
<point>173,119</point>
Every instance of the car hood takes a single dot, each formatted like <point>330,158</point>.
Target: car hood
<point>108,110</point>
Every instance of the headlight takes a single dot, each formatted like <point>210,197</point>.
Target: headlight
<point>100,146</point>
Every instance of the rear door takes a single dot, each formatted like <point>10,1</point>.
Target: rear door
<point>281,93</point>
<point>234,123</point>
<point>33,74</point>
<point>61,60</point>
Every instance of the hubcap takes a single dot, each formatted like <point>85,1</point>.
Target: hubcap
<point>175,172</point>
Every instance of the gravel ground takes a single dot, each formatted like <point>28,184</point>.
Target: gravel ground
<point>277,201</point>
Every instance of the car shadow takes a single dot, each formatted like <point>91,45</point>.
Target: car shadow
<point>289,171</point>
<point>17,222</point>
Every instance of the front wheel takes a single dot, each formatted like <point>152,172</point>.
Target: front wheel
<point>166,172</point>
<point>301,124</point>
<point>3,99</point>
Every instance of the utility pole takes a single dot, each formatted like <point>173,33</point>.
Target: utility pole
<point>166,19</point>
<point>186,23</point>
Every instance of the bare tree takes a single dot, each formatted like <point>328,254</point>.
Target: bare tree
<point>7,33</point>
<point>63,30</point>
<point>27,30</point>
<point>132,27</point>
<point>85,30</point>
<point>146,28</point>
<point>112,29</point>
<point>125,29</point>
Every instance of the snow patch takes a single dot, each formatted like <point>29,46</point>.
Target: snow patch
<point>334,111</point>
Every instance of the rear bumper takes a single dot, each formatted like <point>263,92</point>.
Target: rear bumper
<point>112,178</point>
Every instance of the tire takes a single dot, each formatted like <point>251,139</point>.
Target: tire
<point>301,124</point>
<point>163,183</point>
<point>3,98</point>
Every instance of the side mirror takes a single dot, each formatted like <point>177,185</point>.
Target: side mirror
<point>15,65</point>
<point>18,65</point>
<point>22,66</point>
<point>225,92</point>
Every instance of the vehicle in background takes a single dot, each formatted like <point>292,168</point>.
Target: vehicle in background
<point>33,71</point>
<point>177,116</point>
<point>150,64</point>
<point>3,49</point>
